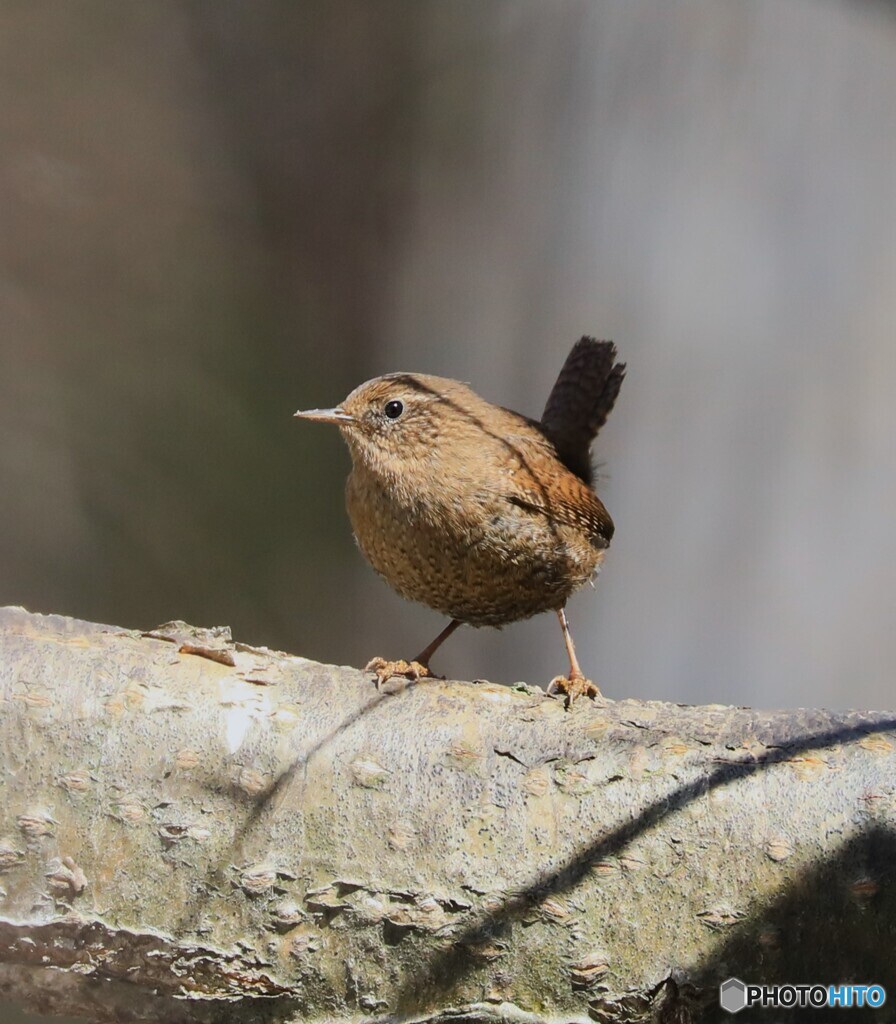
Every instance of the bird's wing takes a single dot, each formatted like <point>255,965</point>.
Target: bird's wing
<point>585,512</point>
<point>565,500</point>
<point>535,479</point>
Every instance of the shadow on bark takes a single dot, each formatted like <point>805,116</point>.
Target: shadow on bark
<point>817,898</point>
<point>785,944</point>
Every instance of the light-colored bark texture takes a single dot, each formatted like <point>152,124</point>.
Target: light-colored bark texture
<point>196,830</point>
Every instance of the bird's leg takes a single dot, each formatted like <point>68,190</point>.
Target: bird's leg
<point>413,670</point>
<point>428,651</point>
<point>575,684</point>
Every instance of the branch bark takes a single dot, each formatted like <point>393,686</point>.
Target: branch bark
<point>196,830</point>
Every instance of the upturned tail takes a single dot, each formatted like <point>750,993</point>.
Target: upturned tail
<point>580,402</point>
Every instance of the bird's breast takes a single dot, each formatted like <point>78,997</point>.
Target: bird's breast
<point>463,548</point>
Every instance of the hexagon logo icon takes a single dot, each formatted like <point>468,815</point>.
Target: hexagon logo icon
<point>733,995</point>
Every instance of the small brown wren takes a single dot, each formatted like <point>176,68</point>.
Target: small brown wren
<point>474,510</point>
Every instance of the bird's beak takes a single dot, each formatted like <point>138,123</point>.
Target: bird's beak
<point>336,415</point>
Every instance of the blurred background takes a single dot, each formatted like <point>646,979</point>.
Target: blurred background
<point>216,213</point>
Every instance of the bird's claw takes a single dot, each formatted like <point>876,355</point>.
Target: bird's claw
<point>573,686</point>
<point>412,670</point>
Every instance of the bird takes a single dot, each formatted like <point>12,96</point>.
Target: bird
<point>477,511</point>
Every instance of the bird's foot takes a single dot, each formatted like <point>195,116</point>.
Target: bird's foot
<point>412,670</point>
<point>573,686</point>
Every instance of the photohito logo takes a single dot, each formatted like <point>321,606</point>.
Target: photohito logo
<point>735,996</point>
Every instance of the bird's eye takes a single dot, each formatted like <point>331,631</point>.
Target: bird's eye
<point>393,409</point>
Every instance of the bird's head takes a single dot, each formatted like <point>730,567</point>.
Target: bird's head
<point>392,420</point>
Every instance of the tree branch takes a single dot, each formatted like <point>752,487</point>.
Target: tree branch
<point>196,830</point>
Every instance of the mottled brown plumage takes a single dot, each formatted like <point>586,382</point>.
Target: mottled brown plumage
<point>470,508</point>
